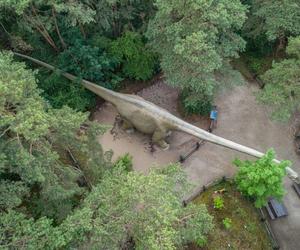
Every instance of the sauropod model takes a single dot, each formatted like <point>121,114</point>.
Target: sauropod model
<point>151,119</point>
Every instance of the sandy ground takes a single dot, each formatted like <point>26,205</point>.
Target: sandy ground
<point>241,119</point>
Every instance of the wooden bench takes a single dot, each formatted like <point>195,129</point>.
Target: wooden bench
<point>276,209</point>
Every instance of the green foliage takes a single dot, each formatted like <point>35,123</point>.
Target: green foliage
<point>269,24</point>
<point>255,64</point>
<point>195,39</point>
<point>196,103</point>
<point>241,212</point>
<point>201,242</point>
<point>61,92</point>
<point>124,206</point>
<point>113,17</point>
<point>282,92</point>
<point>275,19</point>
<point>18,6</point>
<point>218,202</point>
<point>67,35</point>
<point>19,232</point>
<point>33,143</point>
<point>137,61</point>
<point>87,61</point>
<point>125,161</point>
<point>146,208</point>
<point>262,178</point>
<point>227,223</point>
<point>12,193</point>
<point>42,17</point>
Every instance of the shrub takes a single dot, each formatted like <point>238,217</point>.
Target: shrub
<point>137,61</point>
<point>195,102</point>
<point>86,62</point>
<point>201,242</point>
<point>256,64</point>
<point>227,223</point>
<point>126,162</point>
<point>218,202</point>
<point>262,178</point>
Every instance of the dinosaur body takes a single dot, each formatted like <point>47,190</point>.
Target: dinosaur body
<point>151,119</point>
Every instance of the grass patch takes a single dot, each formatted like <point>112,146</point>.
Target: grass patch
<point>237,223</point>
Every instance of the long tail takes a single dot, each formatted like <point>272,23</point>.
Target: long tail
<point>106,94</point>
<point>202,134</point>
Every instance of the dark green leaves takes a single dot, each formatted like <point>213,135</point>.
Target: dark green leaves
<point>282,89</point>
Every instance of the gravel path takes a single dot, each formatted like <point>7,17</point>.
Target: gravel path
<point>241,119</point>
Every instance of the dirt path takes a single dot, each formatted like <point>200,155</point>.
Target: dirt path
<point>241,119</point>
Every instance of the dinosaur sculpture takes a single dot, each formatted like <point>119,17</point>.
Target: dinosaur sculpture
<point>151,119</point>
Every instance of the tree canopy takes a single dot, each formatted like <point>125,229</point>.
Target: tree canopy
<point>195,39</point>
<point>282,91</point>
<point>59,188</point>
<point>275,19</point>
<point>34,141</point>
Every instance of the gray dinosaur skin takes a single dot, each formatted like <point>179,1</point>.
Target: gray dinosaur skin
<point>151,119</point>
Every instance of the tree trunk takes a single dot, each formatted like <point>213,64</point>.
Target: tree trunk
<point>281,45</point>
<point>38,25</point>
<point>57,30</point>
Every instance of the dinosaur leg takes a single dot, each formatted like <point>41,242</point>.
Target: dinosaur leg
<point>159,136</point>
<point>113,131</point>
<point>127,125</point>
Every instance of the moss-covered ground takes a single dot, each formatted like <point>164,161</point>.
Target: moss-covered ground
<point>245,231</point>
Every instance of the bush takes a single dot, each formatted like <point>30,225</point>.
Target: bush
<point>84,61</point>
<point>91,63</point>
<point>262,178</point>
<point>196,103</point>
<point>218,202</point>
<point>60,92</point>
<point>255,64</point>
<point>126,162</point>
<point>201,242</point>
<point>136,60</point>
<point>227,223</point>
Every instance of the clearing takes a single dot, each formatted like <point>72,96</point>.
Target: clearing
<point>241,119</point>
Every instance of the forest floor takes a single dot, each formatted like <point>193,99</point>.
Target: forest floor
<point>241,119</point>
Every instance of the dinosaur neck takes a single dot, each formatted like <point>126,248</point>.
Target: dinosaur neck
<point>106,94</point>
<point>202,134</point>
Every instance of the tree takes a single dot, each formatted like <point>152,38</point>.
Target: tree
<point>282,92</point>
<point>113,17</point>
<point>195,39</point>
<point>42,155</point>
<point>42,17</point>
<point>261,179</point>
<point>137,61</point>
<point>126,208</point>
<point>17,231</point>
<point>274,19</point>
<point>88,62</point>
<point>145,209</point>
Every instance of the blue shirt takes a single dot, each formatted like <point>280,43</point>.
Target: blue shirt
<point>214,115</point>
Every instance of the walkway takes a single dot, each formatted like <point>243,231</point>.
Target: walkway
<point>242,120</point>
